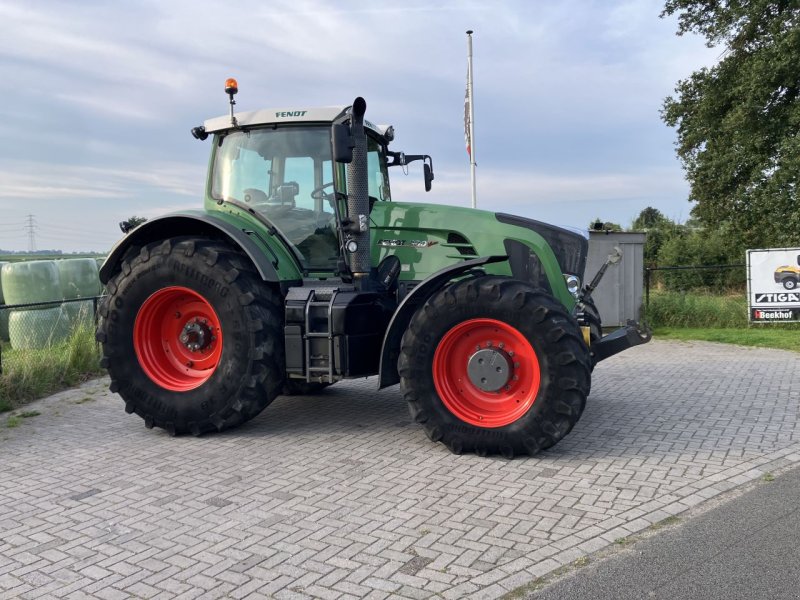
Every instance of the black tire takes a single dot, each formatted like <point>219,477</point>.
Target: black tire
<point>295,387</point>
<point>556,340</point>
<point>249,373</point>
<point>789,283</point>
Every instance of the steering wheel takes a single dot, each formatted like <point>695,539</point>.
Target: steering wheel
<point>318,193</point>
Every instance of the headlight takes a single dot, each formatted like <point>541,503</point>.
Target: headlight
<point>573,284</point>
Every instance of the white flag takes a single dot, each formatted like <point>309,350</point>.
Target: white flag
<point>467,139</point>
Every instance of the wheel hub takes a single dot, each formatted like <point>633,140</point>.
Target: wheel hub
<point>177,337</point>
<point>489,369</point>
<point>196,335</point>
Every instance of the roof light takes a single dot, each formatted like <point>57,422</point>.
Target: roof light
<point>231,88</point>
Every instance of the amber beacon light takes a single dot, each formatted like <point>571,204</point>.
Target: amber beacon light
<point>231,88</point>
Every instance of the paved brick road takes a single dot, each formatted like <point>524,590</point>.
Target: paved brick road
<point>340,495</point>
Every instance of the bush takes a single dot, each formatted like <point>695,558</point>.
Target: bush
<point>701,247</point>
<point>704,310</point>
<point>677,309</point>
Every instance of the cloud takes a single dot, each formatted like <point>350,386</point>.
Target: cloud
<point>43,181</point>
<point>563,199</point>
<point>567,95</point>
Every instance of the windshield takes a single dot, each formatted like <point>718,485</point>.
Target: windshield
<point>285,174</point>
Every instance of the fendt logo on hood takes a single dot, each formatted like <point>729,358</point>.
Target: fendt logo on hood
<point>290,113</point>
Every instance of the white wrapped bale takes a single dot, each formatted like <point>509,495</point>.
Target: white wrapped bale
<point>36,329</point>
<point>31,281</point>
<point>79,278</point>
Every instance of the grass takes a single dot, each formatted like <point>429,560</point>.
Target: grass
<point>697,309</point>
<point>31,374</point>
<point>669,521</point>
<point>14,420</point>
<point>720,317</point>
<point>759,336</point>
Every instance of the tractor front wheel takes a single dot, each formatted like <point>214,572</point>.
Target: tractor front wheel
<point>789,283</point>
<point>191,336</point>
<point>494,366</point>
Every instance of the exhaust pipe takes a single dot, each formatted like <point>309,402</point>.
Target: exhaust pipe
<point>357,192</point>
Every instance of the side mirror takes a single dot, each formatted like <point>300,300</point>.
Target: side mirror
<point>343,143</point>
<point>428,171</point>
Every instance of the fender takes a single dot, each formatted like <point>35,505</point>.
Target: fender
<point>190,224</point>
<point>390,352</point>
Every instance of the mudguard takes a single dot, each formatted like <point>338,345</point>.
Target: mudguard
<point>174,225</point>
<point>390,351</point>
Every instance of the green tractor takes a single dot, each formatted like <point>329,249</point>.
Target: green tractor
<point>301,271</point>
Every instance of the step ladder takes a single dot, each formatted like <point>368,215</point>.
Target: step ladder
<point>319,365</point>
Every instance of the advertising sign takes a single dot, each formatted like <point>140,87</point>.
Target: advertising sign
<point>773,285</point>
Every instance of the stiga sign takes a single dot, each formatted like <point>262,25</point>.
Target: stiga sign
<point>773,285</point>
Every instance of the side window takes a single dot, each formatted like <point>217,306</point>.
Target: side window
<point>248,170</point>
<point>378,173</point>
<point>375,175</point>
<point>300,169</point>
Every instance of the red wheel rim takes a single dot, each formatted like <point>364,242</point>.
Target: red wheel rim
<point>465,399</point>
<point>177,338</point>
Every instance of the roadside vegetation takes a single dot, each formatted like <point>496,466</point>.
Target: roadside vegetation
<point>31,374</point>
<point>702,315</point>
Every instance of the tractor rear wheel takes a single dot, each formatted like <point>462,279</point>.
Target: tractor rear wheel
<point>494,366</point>
<point>191,336</point>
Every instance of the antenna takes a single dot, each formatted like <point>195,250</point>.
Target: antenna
<point>31,227</point>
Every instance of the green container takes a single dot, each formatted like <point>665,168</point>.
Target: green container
<point>31,281</point>
<point>79,277</point>
<point>37,329</point>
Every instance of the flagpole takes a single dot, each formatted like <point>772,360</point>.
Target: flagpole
<point>471,118</point>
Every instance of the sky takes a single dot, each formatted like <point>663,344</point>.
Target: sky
<point>98,99</point>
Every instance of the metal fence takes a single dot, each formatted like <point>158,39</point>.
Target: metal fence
<point>696,276</point>
<point>42,326</point>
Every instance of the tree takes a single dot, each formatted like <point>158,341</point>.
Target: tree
<point>135,221</point>
<point>659,229</point>
<point>130,223</point>
<point>649,218</point>
<point>738,122</point>
<point>599,225</point>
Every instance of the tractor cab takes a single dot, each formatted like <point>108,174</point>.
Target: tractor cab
<point>280,163</point>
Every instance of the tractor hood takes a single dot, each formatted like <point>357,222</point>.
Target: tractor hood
<point>571,249</point>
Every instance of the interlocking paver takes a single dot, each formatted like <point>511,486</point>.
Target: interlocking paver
<point>341,496</point>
